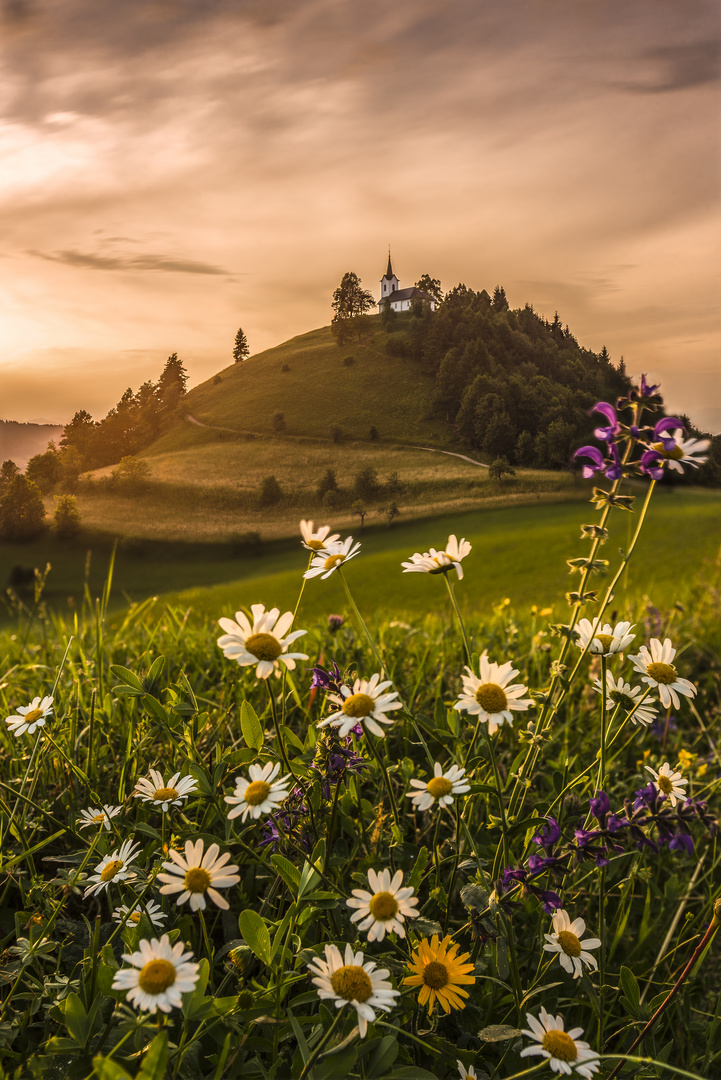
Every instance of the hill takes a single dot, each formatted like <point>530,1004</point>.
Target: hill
<point>19,442</point>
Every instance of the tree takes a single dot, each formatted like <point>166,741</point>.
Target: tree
<point>366,484</point>
<point>240,348</point>
<point>8,472</point>
<point>66,520</point>
<point>80,434</point>
<point>279,422</point>
<point>390,512</point>
<point>499,301</point>
<point>270,492</point>
<point>45,469</point>
<point>132,473</point>
<point>327,483</point>
<point>500,468</point>
<point>350,304</point>
<point>359,510</point>
<point>171,388</point>
<point>430,285</point>
<point>22,514</point>
<point>524,448</point>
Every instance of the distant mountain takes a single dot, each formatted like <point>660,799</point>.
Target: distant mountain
<point>19,442</point>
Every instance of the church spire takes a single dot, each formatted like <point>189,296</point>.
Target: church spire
<point>389,271</point>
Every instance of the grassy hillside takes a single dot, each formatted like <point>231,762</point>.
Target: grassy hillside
<point>317,392</point>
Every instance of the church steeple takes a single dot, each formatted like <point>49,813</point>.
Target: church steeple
<point>389,281</point>
<point>389,271</point>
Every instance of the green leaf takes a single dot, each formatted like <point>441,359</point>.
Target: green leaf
<point>250,726</point>
<point>287,872</point>
<point>155,708</point>
<point>474,897</point>
<point>154,1062</point>
<point>155,671</point>
<point>255,934</point>
<point>192,1001</point>
<point>629,985</point>
<point>240,757</point>
<point>498,1033</point>
<point>309,878</point>
<point>76,1019</point>
<point>107,1069</point>
<point>382,1057</point>
<point>127,677</point>
<point>417,871</point>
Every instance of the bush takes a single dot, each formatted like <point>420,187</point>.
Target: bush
<point>332,500</point>
<point>327,483</point>
<point>217,379</point>
<point>132,473</point>
<point>285,367</point>
<point>373,434</point>
<point>22,514</point>
<point>336,434</point>
<point>66,520</point>
<point>349,361</point>
<point>394,484</point>
<point>279,421</point>
<point>366,485</point>
<point>270,492</point>
<point>501,468</point>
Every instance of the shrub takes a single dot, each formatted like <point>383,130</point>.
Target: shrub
<point>217,379</point>
<point>501,468</point>
<point>365,484</point>
<point>270,492</point>
<point>331,500</point>
<point>66,520</point>
<point>373,434</point>
<point>349,361</point>
<point>394,484</point>
<point>285,367</point>
<point>327,483</point>
<point>279,421</point>
<point>336,434</point>
<point>132,473</point>
<point>22,514</point>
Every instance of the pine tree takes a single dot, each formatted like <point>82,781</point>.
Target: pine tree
<point>170,389</point>
<point>499,301</point>
<point>240,348</point>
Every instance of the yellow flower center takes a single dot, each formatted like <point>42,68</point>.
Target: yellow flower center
<point>439,786</point>
<point>332,561</point>
<point>383,906</point>
<point>165,794</point>
<point>358,705</point>
<point>197,880</point>
<point>256,793</point>
<point>98,819</point>
<point>620,698</point>
<point>665,784</point>
<point>662,673</point>
<point>491,697</point>
<point>560,1045</point>
<point>352,983</point>
<point>606,640</point>
<point>32,716</point>
<point>264,646</point>
<point>435,975</point>
<point>676,453</point>
<point>156,976</point>
<point>569,943</point>
<point>111,869</point>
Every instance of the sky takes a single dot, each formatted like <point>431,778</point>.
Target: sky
<point>171,170</point>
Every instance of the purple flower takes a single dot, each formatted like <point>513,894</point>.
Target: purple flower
<point>652,464</point>
<point>538,863</point>
<point>669,423</point>
<point>324,679</point>
<point>595,456</point>
<point>600,805</point>
<point>550,899</point>
<point>613,428</point>
<point>549,834</point>
<point>614,470</point>
<point>646,389</point>
<point>335,622</point>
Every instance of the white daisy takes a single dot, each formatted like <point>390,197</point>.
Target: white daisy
<point>685,451</point>
<point>466,1073</point>
<point>154,912</point>
<point>563,1049</point>
<point>95,816</point>
<point>490,697</point>
<point>316,541</point>
<point>261,794</point>
<point>669,783</point>
<point>442,788</point>
<point>30,717</point>
<point>159,976</point>
<point>198,874</point>
<point>384,909</point>
<point>566,941</point>
<point>156,791</point>
<point>114,867</point>
<point>628,697</point>
<point>331,557</point>
<point>439,562</point>
<point>349,981</point>
<point>605,640</point>
<point>654,663</point>
<point>263,643</point>
<point>365,704</point>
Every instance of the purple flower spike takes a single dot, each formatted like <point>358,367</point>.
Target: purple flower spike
<point>614,471</point>
<point>549,834</point>
<point>652,464</point>
<point>669,423</point>
<point>646,389</point>
<point>551,901</point>
<point>613,427</point>
<point>600,805</point>
<point>594,455</point>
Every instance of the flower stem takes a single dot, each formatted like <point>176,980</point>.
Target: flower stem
<point>361,623</point>
<point>386,778</point>
<point>324,1039</point>
<point>452,595</point>
<point>602,766</point>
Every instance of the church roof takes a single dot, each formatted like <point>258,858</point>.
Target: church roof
<point>389,272</point>
<point>407,294</point>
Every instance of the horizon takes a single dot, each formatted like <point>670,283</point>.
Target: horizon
<point>173,173</point>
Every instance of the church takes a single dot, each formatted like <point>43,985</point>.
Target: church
<point>400,299</point>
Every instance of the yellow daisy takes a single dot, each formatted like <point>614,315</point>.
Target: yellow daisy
<point>441,973</point>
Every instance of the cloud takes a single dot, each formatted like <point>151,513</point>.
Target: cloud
<point>670,68</point>
<point>132,263</point>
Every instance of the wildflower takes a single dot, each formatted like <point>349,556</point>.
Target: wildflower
<point>335,622</point>
<point>652,464</point>
<point>259,795</point>
<point>442,788</point>
<point>366,703</point>
<point>93,816</point>
<point>566,941</point>
<point>157,792</point>
<point>646,389</point>
<point>325,679</point>
<point>628,697</point>
<point>439,562</point>
<point>441,973</point>
<point>603,640</point>
<point>353,982</point>
<point>674,449</point>
<point>563,1049</point>
<point>490,697</point>
<point>316,541</point>
<point>198,874</point>
<point>159,975</point>
<point>30,717</point>
<point>263,643</point>
<point>331,557</point>
<point>654,663</point>
<point>383,910</point>
<point>612,428</point>
<point>115,867</point>
<point>466,1073</point>
<point>669,783</point>
<point>154,912</point>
